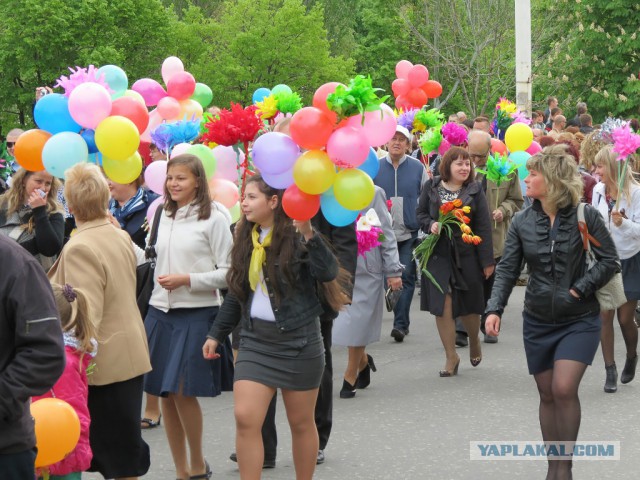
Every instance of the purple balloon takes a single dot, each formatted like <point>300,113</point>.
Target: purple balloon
<point>151,91</point>
<point>274,153</point>
<point>280,181</point>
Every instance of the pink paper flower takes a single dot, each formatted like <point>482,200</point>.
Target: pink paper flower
<point>79,76</point>
<point>454,133</point>
<point>625,142</point>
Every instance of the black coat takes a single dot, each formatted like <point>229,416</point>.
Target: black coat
<point>454,263</point>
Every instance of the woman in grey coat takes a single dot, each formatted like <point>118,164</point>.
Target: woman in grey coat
<point>360,323</point>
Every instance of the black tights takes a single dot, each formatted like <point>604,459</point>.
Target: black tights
<point>560,409</point>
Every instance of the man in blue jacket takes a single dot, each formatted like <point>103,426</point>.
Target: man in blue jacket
<point>402,177</point>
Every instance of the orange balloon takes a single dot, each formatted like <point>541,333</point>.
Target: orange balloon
<point>498,147</point>
<point>417,97</point>
<point>320,99</point>
<point>28,149</point>
<point>57,430</point>
<point>432,88</point>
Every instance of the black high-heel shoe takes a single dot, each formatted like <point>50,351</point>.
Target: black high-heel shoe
<point>451,373</point>
<point>348,390</point>
<point>629,370</point>
<point>610,384</point>
<point>364,377</point>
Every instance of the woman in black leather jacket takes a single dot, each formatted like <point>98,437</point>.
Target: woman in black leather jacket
<point>561,317</point>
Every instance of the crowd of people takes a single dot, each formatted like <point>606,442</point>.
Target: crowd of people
<point>256,306</point>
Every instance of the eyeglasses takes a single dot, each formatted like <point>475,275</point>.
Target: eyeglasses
<point>478,156</point>
<point>10,144</point>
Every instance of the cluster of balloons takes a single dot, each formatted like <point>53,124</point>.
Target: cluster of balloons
<point>412,87</point>
<point>97,116</point>
<point>261,93</point>
<point>57,428</point>
<point>183,97</point>
<point>519,141</point>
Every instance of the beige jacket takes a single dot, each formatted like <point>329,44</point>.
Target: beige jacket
<point>99,259</point>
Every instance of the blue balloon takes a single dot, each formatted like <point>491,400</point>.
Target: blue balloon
<point>371,165</point>
<point>95,158</point>
<point>519,158</point>
<point>63,151</point>
<point>116,78</point>
<point>52,114</point>
<point>335,213</point>
<point>89,136</point>
<point>260,94</point>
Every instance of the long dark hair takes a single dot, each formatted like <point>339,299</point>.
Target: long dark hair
<point>285,245</point>
<point>202,200</point>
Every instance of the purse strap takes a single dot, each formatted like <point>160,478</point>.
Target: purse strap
<point>150,251</point>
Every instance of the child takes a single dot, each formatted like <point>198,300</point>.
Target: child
<point>80,347</point>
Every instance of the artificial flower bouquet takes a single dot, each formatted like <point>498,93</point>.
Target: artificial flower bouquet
<point>368,232</point>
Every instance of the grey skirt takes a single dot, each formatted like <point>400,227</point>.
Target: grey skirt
<point>292,360</point>
<point>631,277</point>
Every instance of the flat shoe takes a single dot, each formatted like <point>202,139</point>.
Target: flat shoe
<point>147,423</point>
<point>203,476</point>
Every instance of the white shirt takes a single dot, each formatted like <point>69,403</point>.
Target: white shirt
<point>627,235</point>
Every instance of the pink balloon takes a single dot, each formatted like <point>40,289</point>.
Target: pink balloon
<point>534,148</point>
<point>151,211</point>
<point>402,69</point>
<point>181,85</point>
<point>179,149</point>
<point>150,90</point>
<point>154,120</point>
<point>418,76</point>
<point>170,67</point>
<point>224,191</point>
<point>400,86</point>
<point>379,126</point>
<point>89,104</point>
<point>227,164</point>
<point>155,176</point>
<point>169,108</point>
<point>348,147</point>
<point>280,180</point>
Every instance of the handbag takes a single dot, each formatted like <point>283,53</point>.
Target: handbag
<point>144,272</point>
<point>391,297</point>
<point>611,296</point>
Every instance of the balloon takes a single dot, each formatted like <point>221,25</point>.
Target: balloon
<point>51,113</point>
<point>28,149</point>
<point>498,147</point>
<point>235,212</point>
<point>89,104</point>
<point>418,76</point>
<point>116,78</point>
<point>150,90</point>
<point>57,429</point>
<point>135,95</point>
<point>179,149</point>
<point>320,100</point>
<point>95,158</point>
<point>89,136</point>
<point>519,158</point>
<point>279,180</point>
<point>224,191</point>
<point>348,147</point>
<point>190,110</point>
<point>205,155</point>
<point>379,125</point>
<point>181,86</point>
<point>155,176</point>
<point>402,69</point>
<point>117,138</point>
<point>335,213</point>
<point>534,148</point>
<point>353,189</point>
<point>432,88</point>
<point>133,110</point>
<point>518,137</point>
<point>400,86</point>
<point>154,120</point>
<point>202,94</point>
<point>417,97</point>
<point>310,128</point>
<point>168,108</point>
<point>151,211</point>
<point>123,171</point>
<point>63,151</point>
<point>274,153</point>
<point>170,67</point>
<point>403,103</point>
<point>371,165</point>
<point>227,163</point>
<point>281,88</point>
<point>314,172</point>
<point>299,205</point>
<point>260,94</point>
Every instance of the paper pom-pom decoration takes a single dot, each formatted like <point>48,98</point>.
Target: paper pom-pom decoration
<point>454,133</point>
<point>288,102</point>
<point>607,128</point>
<point>357,98</point>
<point>430,141</point>
<point>430,119</point>
<point>167,135</point>
<point>268,107</point>
<point>79,76</point>
<point>238,125</point>
<point>406,119</point>
<point>625,142</point>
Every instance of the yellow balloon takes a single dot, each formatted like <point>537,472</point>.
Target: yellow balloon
<point>123,171</point>
<point>190,109</point>
<point>117,137</point>
<point>314,172</point>
<point>235,212</point>
<point>518,137</point>
<point>354,189</point>
<point>134,94</point>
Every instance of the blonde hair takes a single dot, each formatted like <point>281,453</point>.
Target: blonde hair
<point>73,308</point>
<point>560,173</point>
<point>608,159</point>
<point>589,147</point>
<point>87,192</point>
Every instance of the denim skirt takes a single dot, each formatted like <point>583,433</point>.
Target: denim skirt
<point>291,360</point>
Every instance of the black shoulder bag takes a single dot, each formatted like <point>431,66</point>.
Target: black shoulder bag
<point>144,272</point>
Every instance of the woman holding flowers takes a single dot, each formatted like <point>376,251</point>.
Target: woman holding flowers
<point>454,261</point>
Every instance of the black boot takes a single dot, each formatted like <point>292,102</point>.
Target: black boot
<point>364,377</point>
<point>629,370</point>
<point>348,390</point>
<point>611,384</point>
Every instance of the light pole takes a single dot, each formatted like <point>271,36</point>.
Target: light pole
<point>523,55</point>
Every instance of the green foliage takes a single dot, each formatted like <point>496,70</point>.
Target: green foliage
<point>357,98</point>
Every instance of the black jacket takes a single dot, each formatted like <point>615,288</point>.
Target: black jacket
<point>299,304</point>
<point>555,267</point>
<point>31,349</point>
<point>49,231</point>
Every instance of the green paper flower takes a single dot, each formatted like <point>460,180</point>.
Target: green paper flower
<point>288,102</point>
<point>429,118</point>
<point>430,140</point>
<point>498,169</point>
<point>357,98</point>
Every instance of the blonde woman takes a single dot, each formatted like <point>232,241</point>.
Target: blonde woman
<point>620,209</point>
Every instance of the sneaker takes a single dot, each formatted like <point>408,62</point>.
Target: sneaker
<point>320,459</point>
<point>462,340</point>
<point>490,339</point>
<point>398,335</point>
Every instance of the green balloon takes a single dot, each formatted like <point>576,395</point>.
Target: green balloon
<point>205,154</point>
<point>202,94</point>
<point>281,88</point>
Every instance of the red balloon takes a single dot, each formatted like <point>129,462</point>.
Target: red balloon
<point>417,97</point>
<point>498,147</point>
<point>299,205</point>
<point>418,75</point>
<point>181,85</point>
<point>400,86</point>
<point>320,99</point>
<point>133,110</point>
<point>310,128</point>
<point>433,89</point>
<point>402,69</point>
<point>403,103</point>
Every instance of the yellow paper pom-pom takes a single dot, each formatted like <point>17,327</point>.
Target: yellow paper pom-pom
<point>268,107</point>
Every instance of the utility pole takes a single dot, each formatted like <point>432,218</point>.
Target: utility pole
<point>523,55</point>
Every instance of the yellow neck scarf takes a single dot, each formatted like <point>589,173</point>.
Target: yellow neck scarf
<point>258,256</point>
